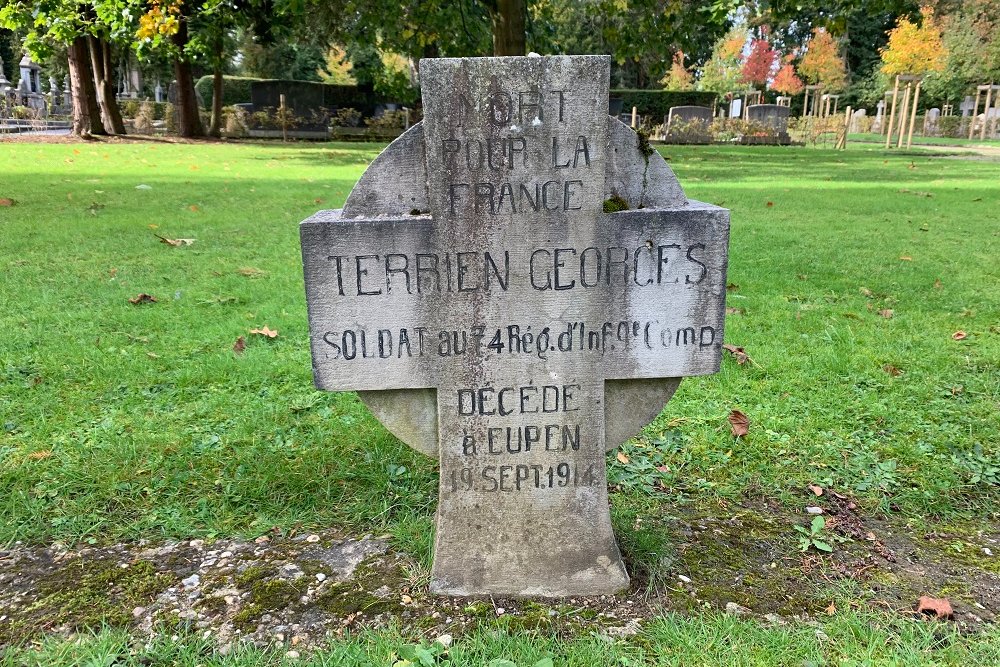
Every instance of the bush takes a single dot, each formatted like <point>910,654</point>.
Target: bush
<point>235,90</point>
<point>657,103</point>
<point>347,117</point>
<point>950,126</point>
<point>129,108</point>
<point>170,117</point>
<point>234,122</point>
<point>144,117</point>
<point>389,120</point>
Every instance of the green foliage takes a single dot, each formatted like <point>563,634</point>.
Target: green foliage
<point>657,103</point>
<point>814,537</point>
<point>235,89</point>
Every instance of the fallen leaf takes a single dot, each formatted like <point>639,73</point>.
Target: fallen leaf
<point>887,313</point>
<point>176,243</point>
<point>802,276</point>
<point>662,469</point>
<point>153,226</point>
<point>240,345</point>
<point>252,272</point>
<point>865,291</point>
<point>4,201</point>
<point>937,283</point>
<point>770,204</point>
<point>142,298</point>
<point>739,423</point>
<point>264,331</point>
<point>816,489</point>
<point>143,186</point>
<point>940,607</point>
<point>739,354</point>
<point>194,208</point>
<point>622,458</point>
<point>732,287</point>
<point>892,370</point>
<point>735,311</point>
<point>906,258</point>
<point>831,610</point>
<point>94,208</point>
<point>318,200</point>
<point>40,454</point>
<point>959,335</point>
<point>406,599</point>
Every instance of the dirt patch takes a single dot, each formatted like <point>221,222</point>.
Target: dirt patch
<point>299,590</point>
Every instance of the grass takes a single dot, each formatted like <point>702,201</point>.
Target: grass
<point>125,421</point>
<point>850,640</point>
<point>869,138</point>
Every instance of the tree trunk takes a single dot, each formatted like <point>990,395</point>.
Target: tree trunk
<point>86,114</point>
<point>509,19</point>
<point>100,61</point>
<point>215,129</point>
<point>188,115</point>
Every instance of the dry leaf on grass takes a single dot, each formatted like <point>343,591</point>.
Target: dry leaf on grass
<point>739,354</point>
<point>240,345</point>
<point>937,283</point>
<point>892,370</point>
<point>940,607</point>
<point>40,455</point>
<point>142,298</point>
<point>265,331</point>
<point>252,272</point>
<point>959,335</point>
<point>816,489</point>
<point>622,457</point>
<point>735,311</point>
<point>176,243</point>
<point>906,258</point>
<point>887,313</point>
<point>5,201</point>
<point>739,423</point>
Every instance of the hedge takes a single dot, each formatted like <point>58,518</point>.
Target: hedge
<point>657,103</point>
<point>303,96</point>
<point>235,90</point>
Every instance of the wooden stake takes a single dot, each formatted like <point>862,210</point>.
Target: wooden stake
<point>972,118</point>
<point>284,125</point>
<point>986,111</point>
<point>635,116</point>
<point>903,114</point>
<point>913,114</point>
<point>892,114</point>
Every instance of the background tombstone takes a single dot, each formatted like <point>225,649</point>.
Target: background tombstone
<point>460,289</point>
<point>736,108</point>
<point>774,117</point>
<point>688,124</point>
<point>857,121</point>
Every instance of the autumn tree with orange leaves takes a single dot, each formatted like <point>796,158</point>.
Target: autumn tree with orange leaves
<point>822,63</point>
<point>679,77</point>
<point>915,49</point>
<point>786,81</point>
<point>759,62</point>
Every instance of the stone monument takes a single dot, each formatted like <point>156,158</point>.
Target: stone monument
<point>516,285</point>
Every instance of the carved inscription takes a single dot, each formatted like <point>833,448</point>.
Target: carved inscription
<point>516,298</point>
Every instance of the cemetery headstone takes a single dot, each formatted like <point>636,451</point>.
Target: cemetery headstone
<point>688,125</point>
<point>516,286</point>
<point>857,120</point>
<point>774,117</point>
<point>736,108</point>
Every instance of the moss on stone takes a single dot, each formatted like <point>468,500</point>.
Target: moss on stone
<point>614,204</point>
<point>86,594</point>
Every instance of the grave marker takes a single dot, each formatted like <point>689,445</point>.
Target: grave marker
<point>477,293</point>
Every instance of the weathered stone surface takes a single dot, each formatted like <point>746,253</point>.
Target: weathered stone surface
<point>514,307</point>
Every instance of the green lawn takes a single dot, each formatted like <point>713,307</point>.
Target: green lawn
<point>851,274</point>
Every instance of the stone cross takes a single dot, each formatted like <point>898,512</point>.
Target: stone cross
<point>516,285</point>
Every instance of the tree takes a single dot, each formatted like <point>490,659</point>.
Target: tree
<point>822,63</point>
<point>679,77</point>
<point>971,38</point>
<point>49,26</point>
<point>915,49</point>
<point>723,72</point>
<point>759,62</point>
<point>786,81</point>
<point>508,18</point>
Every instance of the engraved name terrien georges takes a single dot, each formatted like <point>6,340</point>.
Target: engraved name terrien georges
<point>491,314</point>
